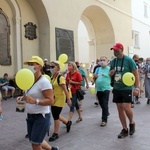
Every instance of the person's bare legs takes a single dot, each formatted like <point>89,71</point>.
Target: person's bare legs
<point>42,146</point>
<point>56,126</point>
<point>70,116</point>
<point>36,147</point>
<point>124,109</point>
<point>62,119</point>
<point>12,91</point>
<point>46,146</point>
<point>129,112</point>
<point>5,91</point>
<point>79,113</point>
<point>122,115</point>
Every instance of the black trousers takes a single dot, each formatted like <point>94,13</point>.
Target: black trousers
<point>103,98</point>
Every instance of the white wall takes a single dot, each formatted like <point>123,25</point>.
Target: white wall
<point>83,45</point>
<point>142,25</point>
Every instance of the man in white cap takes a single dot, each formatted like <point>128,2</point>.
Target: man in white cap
<point>46,68</point>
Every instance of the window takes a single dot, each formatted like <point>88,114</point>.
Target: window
<point>145,10</point>
<point>136,39</point>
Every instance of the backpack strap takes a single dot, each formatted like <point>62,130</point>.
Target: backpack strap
<point>114,64</point>
<point>58,79</point>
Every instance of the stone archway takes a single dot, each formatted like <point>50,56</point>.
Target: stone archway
<point>100,31</point>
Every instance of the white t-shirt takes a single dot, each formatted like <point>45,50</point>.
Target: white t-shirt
<point>36,92</point>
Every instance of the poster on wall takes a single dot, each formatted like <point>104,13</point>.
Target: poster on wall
<point>64,43</point>
<point>5,58</point>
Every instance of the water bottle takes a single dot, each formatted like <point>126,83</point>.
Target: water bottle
<point>1,117</point>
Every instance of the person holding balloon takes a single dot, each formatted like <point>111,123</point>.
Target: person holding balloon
<point>61,96</point>
<point>126,74</point>
<point>38,98</point>
<point>74,80</point>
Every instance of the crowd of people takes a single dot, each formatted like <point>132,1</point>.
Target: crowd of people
<point>55,93</point>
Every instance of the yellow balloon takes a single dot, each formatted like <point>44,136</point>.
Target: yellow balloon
<point>24,79</point>
<point>63,58</point>
<point>90,75</point>
<point>47,77</point>
<point>62,67</point>
<point>92,90</point>
<point>83,65</point>
<point>128,79</point>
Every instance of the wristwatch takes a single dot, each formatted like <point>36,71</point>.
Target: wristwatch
<point>37,101</point>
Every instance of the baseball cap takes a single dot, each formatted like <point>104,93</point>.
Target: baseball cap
<point>45,59</point>
<point>117,46</point>
<point>35,59</point>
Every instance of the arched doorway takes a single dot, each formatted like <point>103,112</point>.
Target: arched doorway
<point>100,33</point>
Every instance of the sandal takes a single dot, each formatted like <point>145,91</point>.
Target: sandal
<point>79,120</point>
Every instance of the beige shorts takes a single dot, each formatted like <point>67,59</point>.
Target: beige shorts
<point>142,84</point>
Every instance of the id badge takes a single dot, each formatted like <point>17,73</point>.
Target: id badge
<point>148,75</point>
<point>117,77</point>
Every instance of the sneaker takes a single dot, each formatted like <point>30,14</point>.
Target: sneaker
<point>96,103</point>
<point>103,124</point>
<point>123,133</point>
<point>132,128</point>
<point>68,125</point>
<point>53,137</point>
<point>79,120</point>
<point>108,114</point>
<point>26,136</point>
<point>55,148</point>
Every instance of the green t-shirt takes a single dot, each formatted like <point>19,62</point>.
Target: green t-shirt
<point>103,80</point>
<point>3,80</point>
<point>128,65</point>
<point>83,75</point>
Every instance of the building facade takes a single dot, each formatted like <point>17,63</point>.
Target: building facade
<point>50,27</point>
<point>141,28</point>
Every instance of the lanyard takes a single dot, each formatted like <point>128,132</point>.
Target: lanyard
<point>121,66</point>
<point>33,84</point>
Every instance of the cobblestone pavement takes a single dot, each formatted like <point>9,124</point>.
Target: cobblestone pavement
<point>86,135</point>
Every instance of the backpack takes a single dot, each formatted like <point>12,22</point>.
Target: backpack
<point>69,90</point>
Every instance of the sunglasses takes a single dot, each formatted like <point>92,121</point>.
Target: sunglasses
<point>52,66</point>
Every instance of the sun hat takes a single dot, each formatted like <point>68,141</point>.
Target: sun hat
<point>35,59</point>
